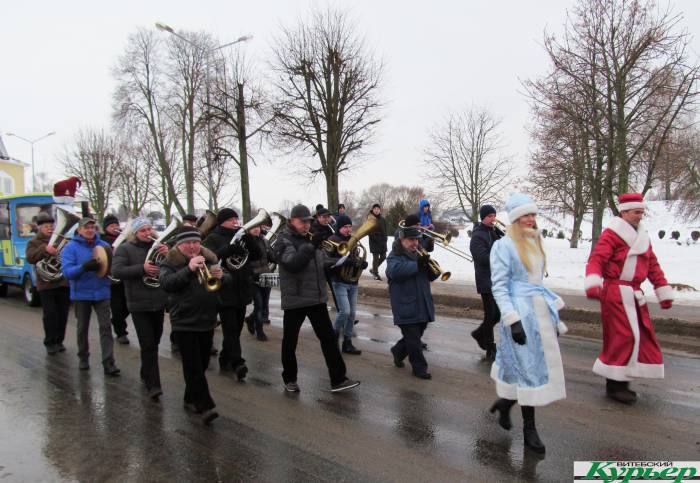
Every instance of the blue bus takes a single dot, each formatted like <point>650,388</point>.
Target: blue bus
<point>18,226</point>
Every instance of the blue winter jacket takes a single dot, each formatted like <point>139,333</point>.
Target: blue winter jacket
<point>409,288</point>
<point>84,285</point>
<point>425,218</point>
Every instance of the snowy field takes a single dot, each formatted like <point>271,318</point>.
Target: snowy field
<point>566,266</point>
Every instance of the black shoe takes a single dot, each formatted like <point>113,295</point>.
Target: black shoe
<point>348,348</point>
<point>503,407</point>
<point>619,391</point>
<point>123,339</point>
<point>191,408</point>
<point>291,386</point>
<point>423,375</point>
<point>397,362</point>
<point>260,335</point>
<point>345,385</point>
<point>155,393</point>
<point>267,321</point>
<point>478,336</point>
<point>208,416</point>
<point>52,349</point>
<point>490,353</point>
<point>424,346</point>
<point>532,439</point>
<point>241,372</point>
<point>224,366</point>
<point>112,370</point>
<point>377,277</point>
<point>250,324</point>
<point>84,365</point>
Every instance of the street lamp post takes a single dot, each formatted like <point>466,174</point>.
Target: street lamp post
<point>32,143</point>
<point>208,53</point>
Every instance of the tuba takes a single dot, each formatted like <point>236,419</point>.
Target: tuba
<point>278,223</point>
<point>207,223</point>
<point>153,256</point>
<point>235,262</point>
<point>351,274</point>
<point>49,269</point>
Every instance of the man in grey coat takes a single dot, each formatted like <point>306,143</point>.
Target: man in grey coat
<point>304,294</point>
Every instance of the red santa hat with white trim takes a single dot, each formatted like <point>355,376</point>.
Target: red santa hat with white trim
<point>631,201</point>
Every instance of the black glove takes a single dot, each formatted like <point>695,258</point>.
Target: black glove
<point>91,265</point>
<point>317,238</point>
<point>423,262</point>
<point>518,333</point>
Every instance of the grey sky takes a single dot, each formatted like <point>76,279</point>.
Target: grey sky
<point>440,56</point>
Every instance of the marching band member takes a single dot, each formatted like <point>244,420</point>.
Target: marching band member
<point>55,296</point>
<point>409,277</point>
<point>146,303</point>
<point>483,237</point>
<point>304,294</point>
<point>528,368</point>
<point>88,292</point>
<point>345,291</point>
<point>621,260</point>
<point>237,290</point>
<point>192,311</point>
<point>261,295</point>
<point>118,304</point>
<point>377,242</point>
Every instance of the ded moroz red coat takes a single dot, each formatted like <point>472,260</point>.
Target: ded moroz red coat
<point>621,261</point>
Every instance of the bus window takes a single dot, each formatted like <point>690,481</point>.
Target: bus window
<point>25,218</point>
<point>5,232</point>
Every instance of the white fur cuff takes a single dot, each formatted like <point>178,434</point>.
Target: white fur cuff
<point>510,318</point>
<point>592,280</point>
<point>664,293</point>
<point>562,328</point>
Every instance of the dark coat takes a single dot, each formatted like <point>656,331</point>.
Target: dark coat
<point>378,238</point>
<point>324,231</point>
<point>332,258</point>
<point>35,252</point>
<point>262,265</point>
<point>106,237</point>
<point>480,245</point>
<point>409,288</point>
<point>191,306</point>
<point>84,285</point>
<point>127,265</point>
<point>237,287</point>
<point>301,267</point>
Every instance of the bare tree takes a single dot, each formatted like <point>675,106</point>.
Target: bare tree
<point>327,83</point>
<point>688,181</point>
<point>95,157</point>
<point>134,179</point>
<point>467,160</point>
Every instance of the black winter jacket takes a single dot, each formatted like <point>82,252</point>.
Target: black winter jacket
<point>378,238</point>
<point>127,266</point>
<point>301,267</point>
<point>482,240</point>
<point>267,256</point>
<point>191,306</point>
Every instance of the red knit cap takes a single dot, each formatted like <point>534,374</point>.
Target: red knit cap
<point>631,201</point>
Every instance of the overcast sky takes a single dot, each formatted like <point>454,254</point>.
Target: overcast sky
<point>440,56</point>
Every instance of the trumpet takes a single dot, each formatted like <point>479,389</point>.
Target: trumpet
<point>209,281</point>
<point>434,266</point>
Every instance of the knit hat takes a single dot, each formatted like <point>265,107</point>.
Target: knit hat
<point>322,210</point>
<point>376,205</point>
<point>341,205</point>
<point>301,212</point>
<point>409,232</point>
<point>44,217</point>
<point>190,217</point>
<point>225,214</point>
<point>342,220</point>
<point>631,201</point>
<point>485,211</point>
<point>109,220</point>
<point>518,205</point>
<point>188,234</point>
<point>138,223</point>
<point>411,220</point>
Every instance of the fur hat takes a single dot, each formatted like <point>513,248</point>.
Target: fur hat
<point>631,201</point>
<point>520,204</point>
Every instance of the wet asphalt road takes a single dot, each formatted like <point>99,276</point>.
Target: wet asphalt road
<point>59,424</point>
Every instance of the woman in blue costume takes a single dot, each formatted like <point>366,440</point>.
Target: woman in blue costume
<point>528,367</point>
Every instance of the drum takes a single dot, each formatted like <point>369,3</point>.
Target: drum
<point>104,258</point>
<point>269,280</point>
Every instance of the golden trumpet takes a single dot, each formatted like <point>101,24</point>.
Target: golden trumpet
<point>434,266</point>
<point>210,282</point>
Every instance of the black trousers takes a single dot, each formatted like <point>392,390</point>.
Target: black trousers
<point>491,317</point>
<point>149,329</point>
<point>410,345</point>
<point>119,310</point>
<point>321,323</point>
<point>232,319</point>
<point>377,259</point>
<point>55,304</point>
<point>194,352</point>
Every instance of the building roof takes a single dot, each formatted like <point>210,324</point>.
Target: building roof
<point>3,150</point>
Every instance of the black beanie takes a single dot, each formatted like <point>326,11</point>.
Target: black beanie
<point>376,205</point>
<point>108,220</point>
<point>485,211</point>
<point>412,220</point>
<point>225,214</point>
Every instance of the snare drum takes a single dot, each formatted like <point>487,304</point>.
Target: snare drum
<point>269,280</point>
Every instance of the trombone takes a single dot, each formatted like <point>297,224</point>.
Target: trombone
<point>434,265</point>
<point>444,241</point>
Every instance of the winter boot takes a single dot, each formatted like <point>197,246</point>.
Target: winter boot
<point>503,407</point>
<point>250,324</point>
<point>619,391</point>
<point>532,439</point>
<point>348,348</point>
<point>490,353</point>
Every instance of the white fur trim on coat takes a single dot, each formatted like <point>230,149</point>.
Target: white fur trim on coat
<point>510,318</point>
<point>521,210</point>
<point>664,293</point>
<point>632,205</point>
<point>592,280</point>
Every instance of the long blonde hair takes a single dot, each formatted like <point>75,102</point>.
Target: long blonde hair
<point>526,249</point>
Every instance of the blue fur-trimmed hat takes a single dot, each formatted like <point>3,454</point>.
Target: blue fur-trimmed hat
<point>520,204</point>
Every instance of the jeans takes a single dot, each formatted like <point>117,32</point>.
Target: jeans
<point>410,344</point>
<point>491,317</point>
<point>83,309</point>
<point>261,305</point>
<point>55,304</point>
<point>195,348</point>
<point>232,319</point>
<point>346,296</point>
<point>149,329</point>
<point>377,259</point>
<point>321,323</point>
<point>119,310</point>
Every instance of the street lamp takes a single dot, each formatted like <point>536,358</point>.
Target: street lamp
<point>32,143</point>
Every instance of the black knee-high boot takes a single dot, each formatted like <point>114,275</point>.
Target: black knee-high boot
<point>503,407</point>
<point>532,439</point>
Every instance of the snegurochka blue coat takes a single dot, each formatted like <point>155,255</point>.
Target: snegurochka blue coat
<point>84,285</point>
<point>409,288</point>
<point>533,373</point>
